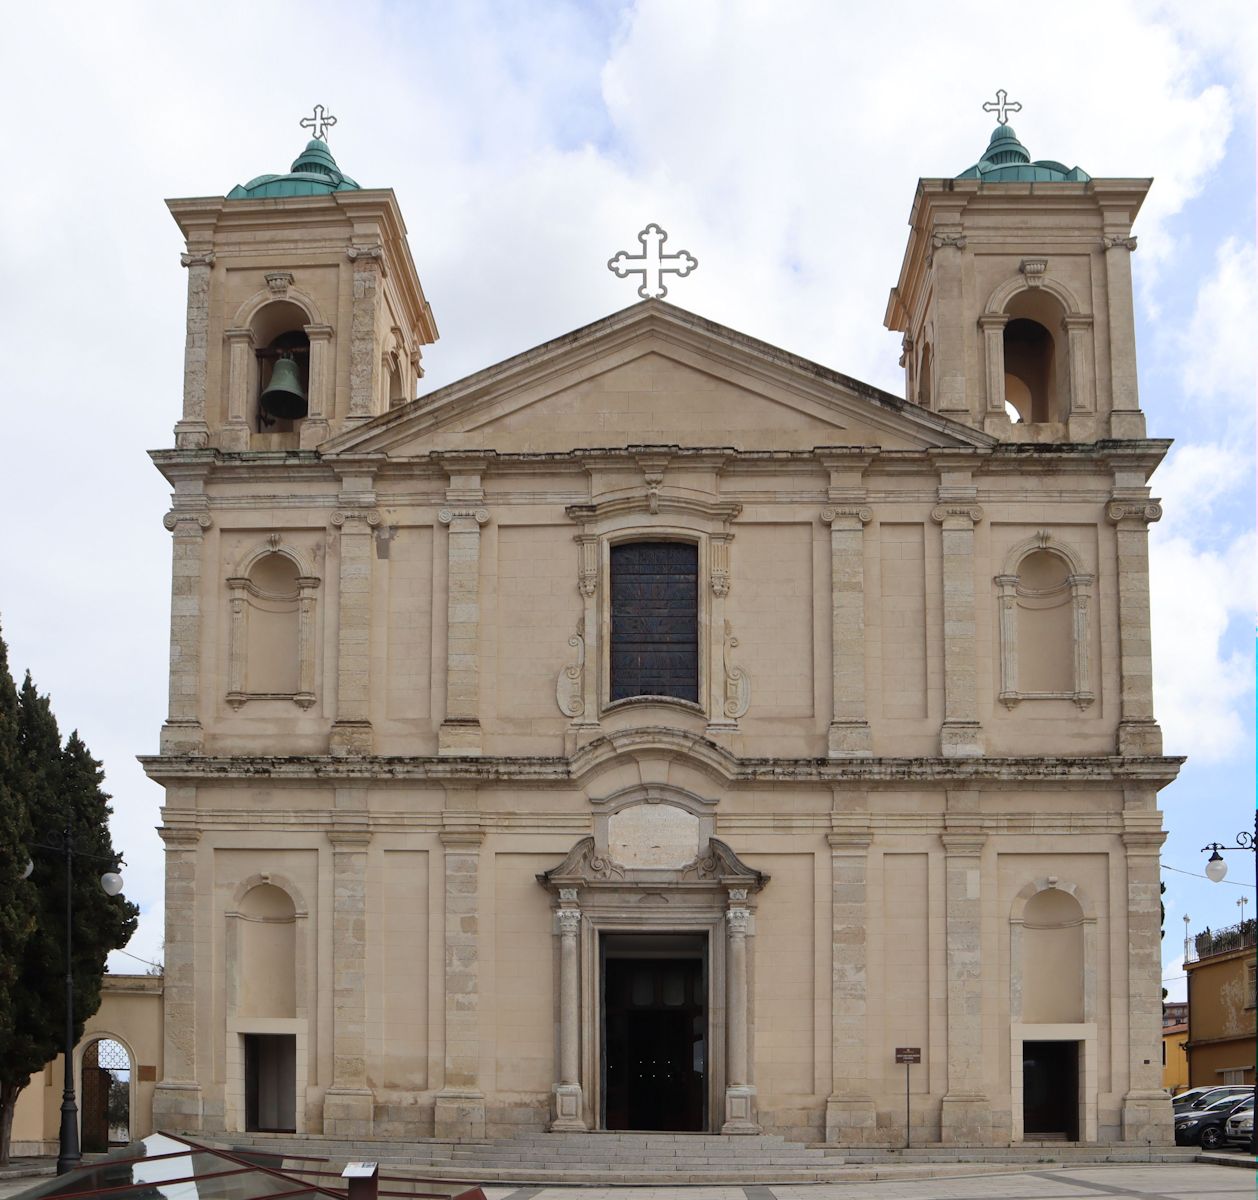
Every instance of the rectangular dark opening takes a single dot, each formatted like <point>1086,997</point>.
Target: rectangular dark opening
<point>655,620</point>
<point>1050,1091</point>
<point>655,1031</point>
<point>270,1082</point>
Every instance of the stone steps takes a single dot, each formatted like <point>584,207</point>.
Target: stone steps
<point>613,1159</point>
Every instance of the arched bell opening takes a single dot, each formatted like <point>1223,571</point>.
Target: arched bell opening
<point>283,376</point>
<point>1037,369</point>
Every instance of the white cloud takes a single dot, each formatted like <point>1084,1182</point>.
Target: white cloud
<point>1218,364</point>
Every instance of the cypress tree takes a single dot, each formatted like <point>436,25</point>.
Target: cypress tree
<point>60,787</point>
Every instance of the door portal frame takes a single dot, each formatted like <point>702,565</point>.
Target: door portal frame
<point>712,895</point>
<point>1085,1035</point>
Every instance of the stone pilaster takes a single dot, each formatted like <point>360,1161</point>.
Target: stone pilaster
<point>177,1100</point>
<point>569,1102</point>
<point>995,417</point>
<point>315,428</point>
<point>1138,732</point>
<point>961,735</point>
<point>192,430</point>
<point>364,355</point>
<point>851,1115</point>
<point>965,1117</point>
<point>1126,419</point>
<point>241,380</point>
<point>347,1105</point>
<point>182,732</point>
<point>951,394</point>
<point>849,735</point>
<point>460,1105</point>
<point>1081,423</point>
<point>1146,1107</point>
<point>351,732</point>
<point>740,1096</point>
<point>460,731</point>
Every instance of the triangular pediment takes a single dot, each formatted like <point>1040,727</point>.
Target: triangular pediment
<point>653,374</point>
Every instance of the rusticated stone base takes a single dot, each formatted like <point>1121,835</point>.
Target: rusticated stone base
<point>459,1116</point>
<point>850,739</point>
<point>568,1108</point>
<point>965,1121</point>
<point>851,1120</point>
<point>1147,1118</point>
<point>348,1112</point>
<point>177,1106</point>
<point>350,739</point>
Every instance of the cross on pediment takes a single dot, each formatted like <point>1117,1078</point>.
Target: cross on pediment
<point>319,123</point>
<point>652,263</point>
<point>1002,106</point>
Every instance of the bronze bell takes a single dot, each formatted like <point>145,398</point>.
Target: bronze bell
<point>283,397</point>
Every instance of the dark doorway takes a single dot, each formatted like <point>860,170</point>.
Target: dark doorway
<point>1050,1091</point>
<point>270,1082</point>
<point>655,1031</point>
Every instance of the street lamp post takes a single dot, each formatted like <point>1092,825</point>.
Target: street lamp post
<point>68,1156</point>
<point>1216,870</point>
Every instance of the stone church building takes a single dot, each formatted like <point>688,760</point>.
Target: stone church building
<point>656,730</point>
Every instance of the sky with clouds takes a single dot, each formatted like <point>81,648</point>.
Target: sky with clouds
<point>778,142</point>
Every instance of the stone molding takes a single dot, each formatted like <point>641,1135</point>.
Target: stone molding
<point>850,516</point>
<point>963,843</point>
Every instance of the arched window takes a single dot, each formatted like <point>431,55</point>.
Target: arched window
<point>1030,384</point>
<point>1043,601</point>
<point>655,620</point>
<point>283,354</point>
<point>105,1077</point>
<point>271,642</point>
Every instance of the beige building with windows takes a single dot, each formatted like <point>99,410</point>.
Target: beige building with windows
<point>656,730</point>
<point>1222,1006</point>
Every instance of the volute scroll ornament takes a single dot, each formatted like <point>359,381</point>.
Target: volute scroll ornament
<point>1118,242</point>
<point>967,512</point>
<point>465,513</point>
<point>193,259</point>
<point>846,513</point>
<point>571,682</point>
<point>369,516</point>
<point>737,681</point>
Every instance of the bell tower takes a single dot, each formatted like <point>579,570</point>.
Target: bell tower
<point>305,311</point>
<point>1015,298</point>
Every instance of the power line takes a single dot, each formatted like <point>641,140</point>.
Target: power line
<point>137,958</point>
<point>1199,875</point>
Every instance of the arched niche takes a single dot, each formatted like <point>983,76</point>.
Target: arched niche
<point>266,983</point>
<point>271,643</point>
<point>1038,349</point>
<point>1052,954</point>
<point>1043,600</point>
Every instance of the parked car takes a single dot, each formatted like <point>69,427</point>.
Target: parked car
<point>1239,1127</point>
<point>1204,1127</point>
<point>1202,1097</point>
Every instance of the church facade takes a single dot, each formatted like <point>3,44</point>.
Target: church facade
<point>657,730</point>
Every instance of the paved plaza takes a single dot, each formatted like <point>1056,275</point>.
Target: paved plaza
<point>1140,1181</point>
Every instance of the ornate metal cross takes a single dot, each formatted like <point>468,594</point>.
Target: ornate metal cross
<point>652,263</point>
<point>322,121</point>
<point>1002,107</point>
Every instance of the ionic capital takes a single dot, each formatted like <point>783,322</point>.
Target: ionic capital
<point>956,514</point>
<point>1144,511</point>
<point>846,516</point>
<point>183,523</point>
<point>569,921</point>
<point>192,259</point>
<point>370,517</point>
<point>1118,241</point>
<point>448,516</point>
<point>963,843</point>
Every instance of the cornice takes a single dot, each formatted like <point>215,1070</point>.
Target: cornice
<point>992,773</point>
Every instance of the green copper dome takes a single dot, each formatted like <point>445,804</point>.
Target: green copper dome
<point>1006,161</point>
<point>313,173</point>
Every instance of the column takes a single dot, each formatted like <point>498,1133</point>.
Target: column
<point>965,1118</point>
<point>460,731</point>
<point>1138,732</point>
<point>569,1103</point>
<point>849,735</point>
<point>1146,1109</point>
<point>177,1099</point>
<point>740,1096</point>
<point>996,419</point>
<point>961,735</point>
<point>192,431</point>
<point>182,732</point>
<point>347,1105</point>
<point>351,732</point>
<point>851,1116</point>
<point>364,357</point>
<point>1126,419</point>
<point>241,381</point>
<point>315,428</point>
<point>460,1105</point>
